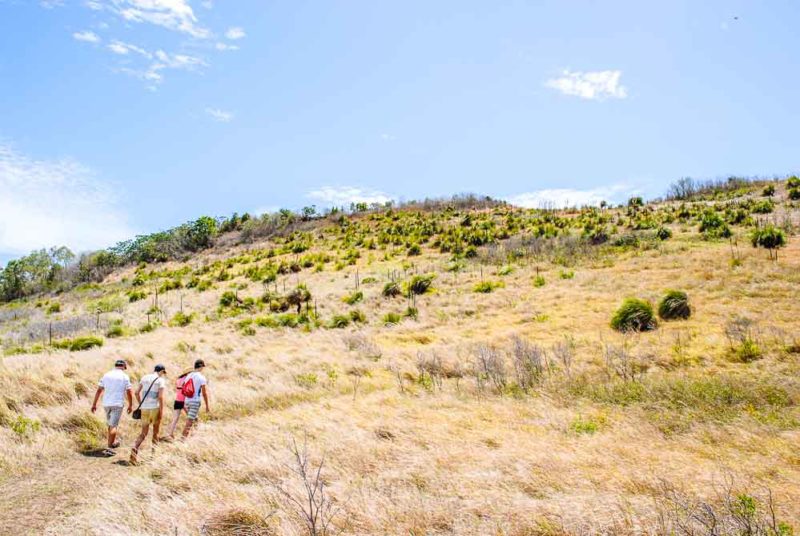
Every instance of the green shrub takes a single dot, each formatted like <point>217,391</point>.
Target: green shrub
<point>181,319</point>
<point>793,182</point>
<point>147,328</point>
<point>764,206</point>
<point>411,312</point>
<point>25,427</point>
<point>339,321</point>
<point>768,191</point>
<point>228,299</point>
<point>674,305</point>
<point>391,319</point>
<point>204,285</point>
<point>768,237</point>
<point>663,233</point>
<point>306,381</point>
<point>420,284</point>
<point>747,351</point>
<point>54,308</point>
<point>358,316</point>
<point>288,320</point>
<point>267,322</point>
<point>136,295</point>
<point>794,194</point>
<point>486,287</point>
<point>79,344</point>
<point>584,426</point>
<point>368,280</point>
<point>391,289</point>
<point>353,298</point>
<point>713,226</point>
<point>115,330</point>
<point>566,274</point>
<point>538,281</point>
<point>414,250</point>
<point>505,270</point>
<point>634,315</point>
<point>172,284</point>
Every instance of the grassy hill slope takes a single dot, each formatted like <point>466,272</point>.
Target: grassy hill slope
<point>454,366</point>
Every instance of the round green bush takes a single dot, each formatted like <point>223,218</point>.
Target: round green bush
<point>674,305</point>
<point>634,315</point>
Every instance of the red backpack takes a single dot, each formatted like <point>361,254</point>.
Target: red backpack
<point>187,389</point>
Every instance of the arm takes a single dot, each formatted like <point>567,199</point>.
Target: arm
<point>204,389</point>
<point>160,402</point>
<point>96,398</point>
<point>129,394</point>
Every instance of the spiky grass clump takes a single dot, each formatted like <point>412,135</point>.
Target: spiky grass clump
<point>674,306</point>
<point>634,315</point>
<point>420,284</point>
<point>391,289</point>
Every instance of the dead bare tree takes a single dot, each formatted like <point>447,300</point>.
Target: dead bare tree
<point>312,502</point>
<point>529,362</point>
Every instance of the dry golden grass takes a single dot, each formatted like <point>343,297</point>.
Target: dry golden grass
<point>573,456</point>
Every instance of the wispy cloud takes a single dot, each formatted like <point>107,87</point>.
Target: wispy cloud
<point>61,202</point>
<point>118,47</point>
<point>220,115</point>
<point>344,195</point>
<point>591,85</point>
<point>235,33</point>
<point>86,36</point>
<point>225,46</point>
<point>150,61</point>
<point>569,197</point>
<point>176,15</point>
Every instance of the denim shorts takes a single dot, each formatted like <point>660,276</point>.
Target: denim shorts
<point>113,414</point>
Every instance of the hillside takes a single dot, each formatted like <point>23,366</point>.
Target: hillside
<point>453,363</point>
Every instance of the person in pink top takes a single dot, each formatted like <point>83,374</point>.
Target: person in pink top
<point>180,401</point>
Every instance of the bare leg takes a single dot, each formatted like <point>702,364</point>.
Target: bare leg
<point>112,436</point>
<point>156,426</point>
<point>139,441</point>
<point>188,428</point>
<point>176,415</point>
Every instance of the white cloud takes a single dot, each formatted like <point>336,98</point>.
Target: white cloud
<point>235,33</point>
<point>118,47</point>
<point>208,4</point>
<point>344,195</point>
<point>592,85</point>
<point>220,115</point>
<point>86,36</point>
<point>569,197</point>
<point>94,5</point>
<point>225,46</point>
<point>47,203</point>
<point>176,15</point>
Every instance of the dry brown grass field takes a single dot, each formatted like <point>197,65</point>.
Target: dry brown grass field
<point>426,426</point>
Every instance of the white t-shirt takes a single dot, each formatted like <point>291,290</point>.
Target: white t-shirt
<point>151,400</point>
<point>114,383</point>
<point>199,380</point>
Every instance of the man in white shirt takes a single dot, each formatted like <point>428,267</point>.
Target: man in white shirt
<point>150,395</point>
<point>200,385</point>
<point>115,386</point>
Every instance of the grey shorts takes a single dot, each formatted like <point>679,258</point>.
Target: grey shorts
<point>113,413</point>
<point>192,410</point>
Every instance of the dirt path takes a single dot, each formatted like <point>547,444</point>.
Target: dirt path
<point>33,503</point>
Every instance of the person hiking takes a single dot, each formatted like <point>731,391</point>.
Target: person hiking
<point>179,405</point>
<point>194,386</point>
<point>115,386</point>
<point>151,406</point>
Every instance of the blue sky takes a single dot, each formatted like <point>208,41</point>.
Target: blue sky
<point>120,117</point>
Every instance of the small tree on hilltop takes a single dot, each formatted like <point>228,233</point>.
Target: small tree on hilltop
<point>770,238</point>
